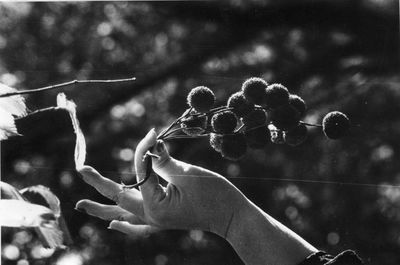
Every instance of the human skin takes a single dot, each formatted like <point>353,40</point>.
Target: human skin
<point>194,198</point>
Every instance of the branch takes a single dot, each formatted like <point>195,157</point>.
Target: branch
<point>73,82</point>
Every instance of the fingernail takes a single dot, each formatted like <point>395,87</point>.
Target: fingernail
<point>110,225</point>
<point>160,147</point>
<point>150,133</point>
<point>80,210</point>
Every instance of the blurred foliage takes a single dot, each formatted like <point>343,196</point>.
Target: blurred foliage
<point>337,55</point>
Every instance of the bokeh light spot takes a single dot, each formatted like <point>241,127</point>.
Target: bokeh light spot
<point>71,258</point>
<point>333,238</point>
<point>23,262</point>
<point>10,252</point>
<point>9,79</point>
<point>196,235</point>
<point>233,170</point>
<point>66,179</point>
<point>126,154</point>
<point>104,29</point>
<point>161,259</point>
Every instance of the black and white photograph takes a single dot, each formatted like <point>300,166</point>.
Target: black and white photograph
<point>232,132</point>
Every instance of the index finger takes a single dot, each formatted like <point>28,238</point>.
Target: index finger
<point>105,186</point>
<point>131,199</point>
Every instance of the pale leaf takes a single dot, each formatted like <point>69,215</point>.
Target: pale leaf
<point>8,192</point>
<point>80,144</point>
<point>13,104</point>
<point>36,212</point>
<point>7,125</point>
<point>44,196</point>
<point>18,213</point>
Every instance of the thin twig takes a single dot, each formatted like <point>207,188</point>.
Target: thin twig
<point>184,115</point>
<point>310,124</point>
<point>39,111</point>
<point>174,137</point>
<point>73,82</point>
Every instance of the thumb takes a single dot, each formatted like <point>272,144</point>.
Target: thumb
<point>145,144</point>
<point>161,150</point>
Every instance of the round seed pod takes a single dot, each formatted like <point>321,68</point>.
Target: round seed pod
<point>257,137</point>
<point>233,146</point>
<point>276,95</point>
<point>298,103</point>
<point>201,98</point>
<point>224,122</point>
<point>254,90</point>
<point>296,136</point>
<point>335,125</point>
<point>194,125</point>
<point>285,117</point>
<point>256,117</point>
<point>216,141</point>
<point>239,104</point>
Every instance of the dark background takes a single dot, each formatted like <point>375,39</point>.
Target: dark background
<point>337,55</point>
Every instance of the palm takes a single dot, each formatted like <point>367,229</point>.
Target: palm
<point>195,198</point>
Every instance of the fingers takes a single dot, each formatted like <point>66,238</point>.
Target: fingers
<point>105,186</point>
<point>131,199</point>
<point>151,186</point>
<point>133,230</point>
<point>107,212</point>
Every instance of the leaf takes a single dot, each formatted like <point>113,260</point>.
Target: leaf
<point>8,192</point>
<point>7,125</point>
<point>36,207</point>
<point>80,145</point>
<point>19,213</point>
<point>10,107</point>
<point>42,195</point>
<point>13,104</point>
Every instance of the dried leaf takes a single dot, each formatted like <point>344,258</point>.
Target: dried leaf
<point>42,195</point>
<point>80,145</point>
<point>34,208</point>
<point>13,104</point>
<point>18,213</point>
<point>10,107</point>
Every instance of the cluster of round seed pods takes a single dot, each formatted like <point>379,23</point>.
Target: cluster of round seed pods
<point>254,116</point>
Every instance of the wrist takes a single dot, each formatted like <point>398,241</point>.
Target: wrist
<point>260,239</point>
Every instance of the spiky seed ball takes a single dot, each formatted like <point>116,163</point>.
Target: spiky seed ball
<point>335,125</point>
<point>224,122</point>
<point>257,137</point>
<point>194,125</point>
<point>201,98</point>
<point>296,135</point>
<point>277,136</point>
<point>254,90</point>
<point>276,95</point>
<point>255,118</point>
<point>298,103</point>
<point>285,117</point>
<point>216,141</point>
<point>233,146</point>
<point>241,106</point>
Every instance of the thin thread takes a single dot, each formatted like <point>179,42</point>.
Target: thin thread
<point>133,173</point>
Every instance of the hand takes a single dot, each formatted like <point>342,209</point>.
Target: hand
<point>194,198</point>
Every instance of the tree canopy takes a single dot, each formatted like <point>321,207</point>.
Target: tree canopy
<point>337,55</point>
